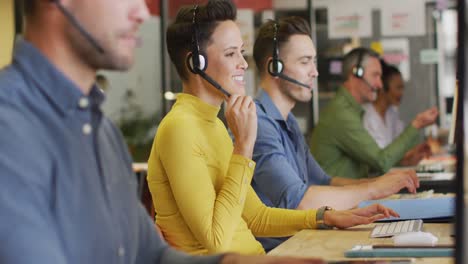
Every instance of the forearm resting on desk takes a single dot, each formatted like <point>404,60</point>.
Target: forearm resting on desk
<point>338,197</point>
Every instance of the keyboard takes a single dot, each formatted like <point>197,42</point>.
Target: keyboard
<point>418,195</point>
<point>395,228</point>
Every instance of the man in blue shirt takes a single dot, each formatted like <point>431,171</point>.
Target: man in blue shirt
<point>287,175</point>
<point>67,190</point>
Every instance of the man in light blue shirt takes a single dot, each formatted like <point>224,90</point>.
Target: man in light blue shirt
<point>67,190</point>
<point>287,175</point>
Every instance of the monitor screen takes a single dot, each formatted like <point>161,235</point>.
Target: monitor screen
<point>452,132</point>
<point>461,251</point>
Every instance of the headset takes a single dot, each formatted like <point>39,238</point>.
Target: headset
<point>358,70</point>
<point>197,62</point>
<point>276,66</point>
<point>72,19</point>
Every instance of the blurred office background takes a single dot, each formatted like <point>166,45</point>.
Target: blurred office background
<point>419,36</point>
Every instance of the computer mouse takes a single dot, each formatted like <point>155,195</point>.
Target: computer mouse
<point>415,239</point>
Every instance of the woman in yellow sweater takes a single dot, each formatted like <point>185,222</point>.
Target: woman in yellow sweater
<point>199,179</point>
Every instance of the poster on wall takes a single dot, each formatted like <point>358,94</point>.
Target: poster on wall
<point>403,18</point>
<point>346,21</point>
<point>396,52</point>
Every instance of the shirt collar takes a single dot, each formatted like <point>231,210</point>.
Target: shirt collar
<point>265,102</point>
<point>52,82</point>
<point>350,100</point>
<point>200,108</point>
<point>269,107</point>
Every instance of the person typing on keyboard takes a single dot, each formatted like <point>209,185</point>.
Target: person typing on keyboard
<point>340,142</point>
<point>286,174</point>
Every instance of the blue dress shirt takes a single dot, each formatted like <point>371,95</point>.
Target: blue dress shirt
<point>285,167</point>
<point>67,189</point>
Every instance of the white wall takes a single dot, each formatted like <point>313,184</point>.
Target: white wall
<point>144,79</point>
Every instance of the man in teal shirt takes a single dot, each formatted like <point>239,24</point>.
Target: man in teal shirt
<point>340,143</point>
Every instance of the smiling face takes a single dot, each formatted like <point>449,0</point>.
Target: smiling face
<point>226,63</point>
<point>113,24</point>
<point>298,55</point>
<point>372,77</point>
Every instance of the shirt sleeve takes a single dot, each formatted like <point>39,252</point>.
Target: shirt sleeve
<point>274,176</point>
<point>317,176</point>
<point>400,126</point>
<point>211,216</point>
<point>27,227</point>
<point>355,141</point>
<point>275,222</point>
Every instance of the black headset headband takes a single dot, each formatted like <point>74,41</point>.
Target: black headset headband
<point>195,46</point>
<point>275,55</point>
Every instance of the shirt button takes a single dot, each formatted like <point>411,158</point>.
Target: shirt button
<point>251,164</point>
<point>83,103</point>
<point>121,251</point>
<point>87,129</point>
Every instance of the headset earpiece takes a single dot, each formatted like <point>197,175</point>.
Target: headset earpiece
<point>275,67</point>
<point>201,63</point>
<point>358,70</point>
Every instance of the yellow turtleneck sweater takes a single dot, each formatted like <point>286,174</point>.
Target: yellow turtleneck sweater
<point>201,190</point>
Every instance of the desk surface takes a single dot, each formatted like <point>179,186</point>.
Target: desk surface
<point>331,244</point>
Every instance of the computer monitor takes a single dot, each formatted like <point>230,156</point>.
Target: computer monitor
<point>461,236</point>
<point>452,132</point>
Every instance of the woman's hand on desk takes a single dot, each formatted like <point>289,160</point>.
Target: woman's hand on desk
<point>359,216</point>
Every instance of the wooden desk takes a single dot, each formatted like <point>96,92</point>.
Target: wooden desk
<point>331,244</point>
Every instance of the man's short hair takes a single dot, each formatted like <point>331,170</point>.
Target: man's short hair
<point>179,33</point>
<point>351,59</point>
<point>29,6</point>
<point>287,26</point>
<point>388,71</point>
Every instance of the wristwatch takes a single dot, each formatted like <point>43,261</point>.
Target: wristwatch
<point>319,217</point>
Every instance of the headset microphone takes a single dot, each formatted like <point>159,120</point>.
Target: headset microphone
<point>72,19</point>
<point>289,79</point>
<point>368,84</point>
<point>276,66</point>
<point>197,62</point>
<point>213,82</point>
